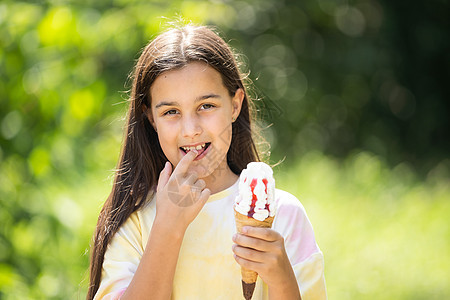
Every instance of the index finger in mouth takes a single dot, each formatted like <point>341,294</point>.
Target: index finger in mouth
<point>185,162</point>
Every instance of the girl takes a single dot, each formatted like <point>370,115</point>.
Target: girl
<point>167,229</point>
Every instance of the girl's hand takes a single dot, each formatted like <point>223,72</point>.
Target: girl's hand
<point>180,195</point>
<point>262,250</point>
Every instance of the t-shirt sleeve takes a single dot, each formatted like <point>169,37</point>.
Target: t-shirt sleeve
<point>304,254</point>
<point>121,260</point>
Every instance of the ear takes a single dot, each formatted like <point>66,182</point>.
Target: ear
<point>236,103</point>
<point>148,113</point>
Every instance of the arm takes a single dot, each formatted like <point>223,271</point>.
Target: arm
<point>157,267</point>
<point>179,199</point>
<point>262,250</point>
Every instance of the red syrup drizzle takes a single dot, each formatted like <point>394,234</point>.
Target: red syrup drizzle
<point>265,184</point>
<point>254,198</point>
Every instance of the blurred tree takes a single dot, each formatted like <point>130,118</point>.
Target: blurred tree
<point>345,75</point>
<point>417,41</point>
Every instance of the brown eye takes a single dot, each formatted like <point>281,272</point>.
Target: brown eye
<point>170,112</point>
<point>206,106</point>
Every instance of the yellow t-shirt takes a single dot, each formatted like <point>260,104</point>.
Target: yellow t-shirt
<point>206,268</point>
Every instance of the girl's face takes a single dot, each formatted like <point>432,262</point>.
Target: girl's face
<point>191,108</point>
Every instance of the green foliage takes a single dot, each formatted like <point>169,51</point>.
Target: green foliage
<point>360,74</point>
<point>329,83</point>
<point>384,233</point>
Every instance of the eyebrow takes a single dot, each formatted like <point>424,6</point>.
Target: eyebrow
<point>174,103</point>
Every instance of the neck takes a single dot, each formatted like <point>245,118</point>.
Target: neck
<point>219,181</point>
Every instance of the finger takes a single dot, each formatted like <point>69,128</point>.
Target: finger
<point>200,184</point>
<point>266,234</point>
<point>248,264</point>
<point>184,163</point>
<point>164,176</point>
<point>204,196</point>
<point>191,178</point>
<point>251,242</point>
<point>249,254</point>
<point>195,192</point>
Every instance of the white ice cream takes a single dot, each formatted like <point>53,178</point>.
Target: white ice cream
<point>243,202</point>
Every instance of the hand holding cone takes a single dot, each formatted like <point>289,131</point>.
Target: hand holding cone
<point>249,277</point>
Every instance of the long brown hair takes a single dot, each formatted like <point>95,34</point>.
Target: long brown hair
<point>142,158</point>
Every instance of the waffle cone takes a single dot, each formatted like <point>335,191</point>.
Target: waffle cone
<point>248,276</point>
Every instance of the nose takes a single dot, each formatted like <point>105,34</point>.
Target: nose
<point>191,126</point>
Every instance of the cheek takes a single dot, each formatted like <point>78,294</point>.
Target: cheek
<point>167,140</point>
<point>223,138</point>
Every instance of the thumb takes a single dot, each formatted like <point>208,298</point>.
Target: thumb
<point>164,176</point>
<point>204,196</point>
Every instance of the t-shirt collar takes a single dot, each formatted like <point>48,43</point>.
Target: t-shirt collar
<point>225,193</point>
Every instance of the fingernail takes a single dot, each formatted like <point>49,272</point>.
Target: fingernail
<point>234,237</point>
<point>244,229</point>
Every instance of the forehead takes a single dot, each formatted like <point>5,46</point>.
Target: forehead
<point>190,81</point>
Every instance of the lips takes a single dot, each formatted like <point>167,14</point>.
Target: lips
<point>199,147</point>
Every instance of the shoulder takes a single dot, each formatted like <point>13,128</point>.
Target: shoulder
<point>290,212</point>
<point>136,223</point>
<point>287,201</point>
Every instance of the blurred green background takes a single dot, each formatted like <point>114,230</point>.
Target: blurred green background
<point>357,92</point>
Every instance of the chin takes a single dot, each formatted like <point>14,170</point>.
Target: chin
<point>203,171</point>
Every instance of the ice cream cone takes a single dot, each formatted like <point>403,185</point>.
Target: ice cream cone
<point>248,276</point>
<point>254,206</point>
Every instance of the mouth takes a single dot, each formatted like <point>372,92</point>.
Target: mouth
<point>201,149</point>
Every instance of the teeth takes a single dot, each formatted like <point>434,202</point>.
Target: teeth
<point>192,148</point>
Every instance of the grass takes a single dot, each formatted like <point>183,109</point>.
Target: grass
<point>384,233</point>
